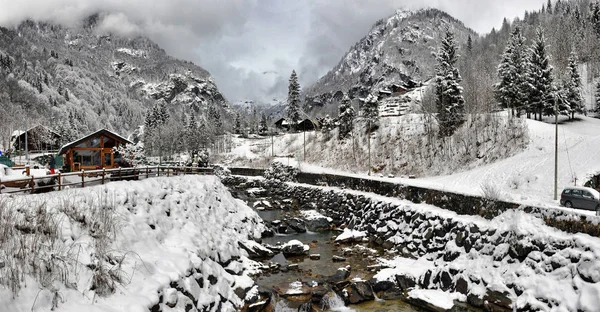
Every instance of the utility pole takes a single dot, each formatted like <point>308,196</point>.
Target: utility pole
<point>555,149</point>
<point>26,141</point>
<point>304,130</point>
<point>272,154</point>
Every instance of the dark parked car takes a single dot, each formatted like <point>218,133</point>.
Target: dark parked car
<point>580,197</point>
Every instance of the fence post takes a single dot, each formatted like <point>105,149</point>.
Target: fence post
<point>59,182</point>
<point>120,173</point>
<point>103,174</point>
<point>32,185</point>
<point>146,171</point>
<point>167,171</point>
<point>158,171</point>
<point>82,178</point>
<point>27,170</point>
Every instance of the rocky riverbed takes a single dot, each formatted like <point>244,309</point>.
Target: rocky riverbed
<point>312,263</point>
<point>442,259</point>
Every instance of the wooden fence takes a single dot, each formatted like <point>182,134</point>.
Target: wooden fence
<point>84,178</point>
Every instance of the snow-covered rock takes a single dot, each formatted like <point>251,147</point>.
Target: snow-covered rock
<point>295,248</point>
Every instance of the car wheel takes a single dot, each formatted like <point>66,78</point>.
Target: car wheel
<point>568,204</point>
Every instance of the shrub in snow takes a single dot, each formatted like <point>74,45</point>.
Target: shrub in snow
<point>132,154</point>
<point>221,171</point>
<point>281,172</point>
<point>490,191</point>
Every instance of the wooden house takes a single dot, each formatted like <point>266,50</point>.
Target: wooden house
<point>94,151</point>
<point>308,125</point>
<point>37,138</point>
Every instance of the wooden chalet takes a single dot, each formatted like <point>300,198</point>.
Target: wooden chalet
<point>308,125</point>
<point>37,138</point>
<point>282,124</point>
<point>94,151</point>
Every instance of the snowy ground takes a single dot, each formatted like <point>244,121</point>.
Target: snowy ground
<point>139,236</point>
<point>526,177</point>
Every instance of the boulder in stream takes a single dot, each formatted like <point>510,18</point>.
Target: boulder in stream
<point>295,248</point>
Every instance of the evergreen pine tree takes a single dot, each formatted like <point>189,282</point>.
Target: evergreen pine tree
<point>345,118</point>
<point>511,90</point>
<point>573,87</point>
<point>237,127</point>
<point>370,108</point>
<point>540,78</point>
<point>191,133</point>
<point>264,127</point>
<point>293,108</point>
<point>449,99</point>
<point>161,112</point>
<point>469,44</point>
<point>549,7</point>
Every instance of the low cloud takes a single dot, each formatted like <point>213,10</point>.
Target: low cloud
<point>251,46</point>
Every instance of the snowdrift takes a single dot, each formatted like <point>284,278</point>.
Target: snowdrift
<point>161,242</point>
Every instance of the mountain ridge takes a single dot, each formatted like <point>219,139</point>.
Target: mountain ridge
<point>397,50</point>
<point>89,79</point>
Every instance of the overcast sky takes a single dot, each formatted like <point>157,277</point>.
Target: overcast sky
<point>251,46</point>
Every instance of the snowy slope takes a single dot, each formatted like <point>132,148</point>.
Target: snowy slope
<point>529,176</point>
<point>525,177</point>
<point>160,231</point>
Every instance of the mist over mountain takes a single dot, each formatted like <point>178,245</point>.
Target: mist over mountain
<point>88,78</point>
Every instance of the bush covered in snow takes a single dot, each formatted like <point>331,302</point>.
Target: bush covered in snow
<point>221,171</point>
<point>281,172</point>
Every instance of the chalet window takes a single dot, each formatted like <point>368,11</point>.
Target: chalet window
<point>109,142</point>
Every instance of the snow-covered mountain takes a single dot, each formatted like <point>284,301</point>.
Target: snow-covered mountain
<point>397,51</point>
<point>51,73</point>
<point>274,108</point>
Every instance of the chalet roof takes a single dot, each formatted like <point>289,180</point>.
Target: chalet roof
<point>18,133</point>
<point>65,147</point>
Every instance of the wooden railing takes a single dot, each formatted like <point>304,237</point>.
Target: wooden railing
<point>92,177</point>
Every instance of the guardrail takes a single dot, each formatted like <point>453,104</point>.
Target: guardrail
<point>100,176</point>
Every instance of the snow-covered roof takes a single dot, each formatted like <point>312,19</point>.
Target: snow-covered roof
<point>17,133</point>
<point>65,147</point>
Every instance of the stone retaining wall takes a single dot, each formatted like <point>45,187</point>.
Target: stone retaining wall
<point>453,245</point>
<point>459,203</point>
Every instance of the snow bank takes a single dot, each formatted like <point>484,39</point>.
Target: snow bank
<point>180,229</point>
<point>350,235</point>
<point>438,298</point>
<point>313,215</point>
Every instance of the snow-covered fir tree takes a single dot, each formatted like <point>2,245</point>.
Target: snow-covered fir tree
<point>327,124</point>
<point>370,108</point>
<point>264,125</point>
<point>448,92</point>
<point>191,137</point>
<point>511,90</point>
<point>293,101</point>
<point>573,87</point>
<point>469,44</point>
<point>345,118</point>
<point>237,126</point>
<point>214,117</point>
<point>541,81</point>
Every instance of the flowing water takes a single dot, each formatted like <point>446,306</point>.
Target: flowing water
<point>310,271</point>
